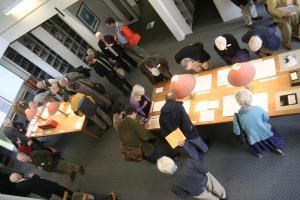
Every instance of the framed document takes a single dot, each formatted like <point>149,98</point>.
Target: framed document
<point>88,17</point>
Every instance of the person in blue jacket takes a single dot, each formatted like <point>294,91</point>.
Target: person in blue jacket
<point>262,40</point>
<point>254,122</point>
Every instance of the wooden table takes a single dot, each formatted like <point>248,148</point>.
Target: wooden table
<point>274,86</point>
<point>66,124</point>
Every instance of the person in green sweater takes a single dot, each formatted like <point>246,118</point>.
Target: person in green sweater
<point>49,162</point>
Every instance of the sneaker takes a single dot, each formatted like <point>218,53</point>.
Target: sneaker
<point>81,170</point>
<point>250,26</point>
<point>279,151</point>
<point>73,176</point>
<point>258,18</point>
<point>259,155</point>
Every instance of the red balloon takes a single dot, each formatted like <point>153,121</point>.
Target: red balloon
<point>241,74</point>
<point>30,113</point>
<point>182,85</point>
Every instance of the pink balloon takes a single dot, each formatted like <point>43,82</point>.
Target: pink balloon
<point>182,85</point>
<point>241,74</point>
<point>30,113</point>
<point>53,107</point>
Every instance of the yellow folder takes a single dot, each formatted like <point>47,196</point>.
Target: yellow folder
<point>175,137</point>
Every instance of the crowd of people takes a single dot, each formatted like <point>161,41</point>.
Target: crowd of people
<point>192,178</point>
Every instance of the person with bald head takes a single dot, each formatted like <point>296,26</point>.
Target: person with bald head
<point>113,50</point>
<point>38,185</point>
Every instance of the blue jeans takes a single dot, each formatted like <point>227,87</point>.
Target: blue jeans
<point>195,147</point>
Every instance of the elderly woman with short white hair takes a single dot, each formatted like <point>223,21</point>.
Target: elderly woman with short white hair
<point>140,101</point>
<point>253,122</point>
<point>191,178</point>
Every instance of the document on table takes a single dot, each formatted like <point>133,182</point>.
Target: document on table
<point>153,122</point>
<point>186,105</point>
<point>159,90</point>
<point>230,106</point>
<point>206,116</point>
<point>158,105</point>
<point>203,83</point>
<point>264,68</point>
<point>222,77</point>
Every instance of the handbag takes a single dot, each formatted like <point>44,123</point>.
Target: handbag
<point>243,136</point>
<point>131,153</point>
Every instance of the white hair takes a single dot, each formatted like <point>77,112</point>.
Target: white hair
<point>255,43</point>
<point>243,97</point>
<point>98,34</point>
<point>166,165</point>
<point>221,43</point>
<point>138,90</point>
<point>15,177</point>
<point>90,52</point>
<point>41,97</point>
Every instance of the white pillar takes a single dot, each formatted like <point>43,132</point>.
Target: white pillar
<point>3,45</point>
<point>227,10</point>
<point>172,17</point>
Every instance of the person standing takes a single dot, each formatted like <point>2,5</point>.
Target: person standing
<point>156,68</point>
<point>140,101</point>
<point>248,11</point>
<point>262,40</point>
<point>49,162</point>
<point>127,38</point>
<point>191,178</point>
<point>173,116</point>
<point>112,50</point>
<point>118,111</point>
<point>38,185</point>
<point>253,121</point>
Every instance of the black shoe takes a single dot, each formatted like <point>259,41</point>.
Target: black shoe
<point>73,176</point>
<point>272,25</point>
<point>82,170</point>
<point>258,18</point>
<point>250,26</point>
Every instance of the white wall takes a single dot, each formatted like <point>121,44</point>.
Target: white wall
<point>227,10</point>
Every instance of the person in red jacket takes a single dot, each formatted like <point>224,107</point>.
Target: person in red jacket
<point>127,38</point>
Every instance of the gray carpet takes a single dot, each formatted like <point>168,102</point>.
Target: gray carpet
<point>244,176</point>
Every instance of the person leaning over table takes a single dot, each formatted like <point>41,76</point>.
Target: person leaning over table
<point>140,101</point>
<point>262,40</point>
<point>191,178</point>
<point>288,23</point>
<point>228,48</point>
<point>193,57</point>
<point>38,185</point>
<point>173,116</point>
<point>50,162</point>
<point>155,68</point>
<point>254,122</point>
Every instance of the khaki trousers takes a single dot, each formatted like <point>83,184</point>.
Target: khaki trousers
<point>248,12</point>
<point>213,191</point>
<point>64,167</point>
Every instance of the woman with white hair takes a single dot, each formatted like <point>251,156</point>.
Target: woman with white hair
<point>140,101</point>
<point>262,40</point>
<point>253,121</point>
<point>191,178</point>
<point>228,48</point>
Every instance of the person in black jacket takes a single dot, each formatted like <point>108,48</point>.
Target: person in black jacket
<point>105,69</point>
<point>173,116</point>
<point>248,10</point>
<point>38,185</point>
<point>193,57</point>
<point>191,178</point>
<point>228,48</point>
<point>9,188</point>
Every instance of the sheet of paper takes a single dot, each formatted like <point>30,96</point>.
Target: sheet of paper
<point>222,77</point>
<point>159,90</point>
<point>45,114</point>
<point>78,125</point>
<point>292,99</point>
<point>261,99</point>
<point>294,76</point>
<point>158,105</point>
<point>175,137</point>
<point>154,122</point>
<point>264,68</point>
<point>289,9</point>
<point>69,110</point>
<point>206,116</point>
<point>186,105</point>
<point>201,106</point>
<point>213,104</point>
<point>203,83</point>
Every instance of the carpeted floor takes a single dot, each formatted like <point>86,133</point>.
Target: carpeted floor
<point>244,176</point>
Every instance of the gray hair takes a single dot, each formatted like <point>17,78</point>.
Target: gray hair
<point>166,165</point>
<point>90,52</point>
<point>15,177</point>
<point>244,97</point>
<point>137,90</point>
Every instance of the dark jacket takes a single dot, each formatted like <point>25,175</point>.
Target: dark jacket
<point>133,134</point>
<point>172,116</point>
<point>189,179</point>
<point>44,159</point>
<point>9,188</point>
<point>193,51</point>
<point>109,39</point>
<point>102,67</point>
<point>13,133</point>
<point>154,61</point>
<point>40,186</point>
<point>268,36</point>
<point>240,2</point>
<point>233,54</point>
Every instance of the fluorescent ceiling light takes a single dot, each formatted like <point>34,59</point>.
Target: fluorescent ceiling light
<point>16,5</point>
